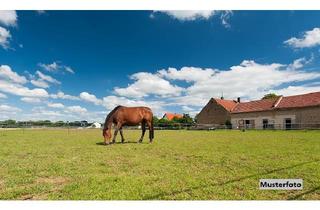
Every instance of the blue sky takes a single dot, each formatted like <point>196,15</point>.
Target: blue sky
<point>78,65</point>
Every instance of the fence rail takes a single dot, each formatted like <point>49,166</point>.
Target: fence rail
<point>184,126</point>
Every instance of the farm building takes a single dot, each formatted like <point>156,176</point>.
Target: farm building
<point>95,125</point>
<point>291,112</point>
<point>170,116</point>
<point>217,112</point>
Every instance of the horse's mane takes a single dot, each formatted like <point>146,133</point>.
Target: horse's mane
<point>106,122</point>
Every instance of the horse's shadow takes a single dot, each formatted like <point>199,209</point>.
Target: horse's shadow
<point>126,142</point>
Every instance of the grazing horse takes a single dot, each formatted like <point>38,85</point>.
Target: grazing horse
<point>121,116</point>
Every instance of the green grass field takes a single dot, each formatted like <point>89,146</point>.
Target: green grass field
<point>202,165</point>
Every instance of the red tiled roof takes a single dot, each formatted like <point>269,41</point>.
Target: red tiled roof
<point>227,104</point>
<point>305,100</point>
<point>255,106</point>
<point>297,101</point>
<point>170,116</point>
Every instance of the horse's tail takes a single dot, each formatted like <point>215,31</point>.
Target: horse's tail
<point>151,131</point>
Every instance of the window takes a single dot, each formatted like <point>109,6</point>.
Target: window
<point>249,123</point>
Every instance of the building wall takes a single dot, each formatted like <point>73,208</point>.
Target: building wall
<point>213,113</point>
<point>308,117</point>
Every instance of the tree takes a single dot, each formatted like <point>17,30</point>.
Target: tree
<point>270,96</point>
<point>196,118</point>
<point>9,122</point>
<point>59,124</point>
<point>155,121</point>
<point>186,119</point>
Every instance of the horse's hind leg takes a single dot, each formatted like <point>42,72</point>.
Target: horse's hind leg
<point>143,128</point>
<point>121,133</point>
<point>150,125</point>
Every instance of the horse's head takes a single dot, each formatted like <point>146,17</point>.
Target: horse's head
<point>107,135</point>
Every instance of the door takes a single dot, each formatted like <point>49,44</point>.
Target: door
<point>247,124</point>
<point>288,123</point>
<point>265,123</point>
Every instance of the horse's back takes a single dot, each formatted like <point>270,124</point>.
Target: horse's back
<point>135,113</point>
<point>136,109</point>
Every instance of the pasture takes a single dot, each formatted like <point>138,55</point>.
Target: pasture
<point>179,165</point>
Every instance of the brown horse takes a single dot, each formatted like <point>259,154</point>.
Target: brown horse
<point>121,116</point>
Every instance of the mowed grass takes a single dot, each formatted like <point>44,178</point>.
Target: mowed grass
<point>179,165</point>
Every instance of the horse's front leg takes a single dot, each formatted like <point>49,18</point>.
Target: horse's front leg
<point>115,133</point>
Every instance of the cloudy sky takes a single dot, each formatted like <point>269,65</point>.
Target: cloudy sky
<point>78,65</point>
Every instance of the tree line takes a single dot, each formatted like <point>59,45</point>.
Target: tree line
<point>175,123</point>
<point>42,123</point>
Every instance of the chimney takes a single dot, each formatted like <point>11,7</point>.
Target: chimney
<point>238,99</point>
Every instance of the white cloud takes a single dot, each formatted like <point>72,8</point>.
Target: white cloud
<point>8,17</point>
<point>40,12</point>
<point>191,15</point>
<point>90,98</point>
<point>47,78</point>
<point>148,83</point>
<point>189,74</point>
<point>55,67</point>
<point>76,109</point>
<point>300,62</point>
<point>69,69</point>
<point>44,113</point>
<point>296,90</point>
<point>2,95</point>
<point>50,67</point>
<point>19,90</point>
<point>5,36</point>
<point>109,102</point>
<point>224,17</point>
<point>43,80</point>
<point>112,101</point>
<point>31,100</point>
<point>62,95</point>
<point>55,105</point>
<point>5,108</point>
<point>40,113</point>
<point>188,15</point>
<point>309,39</point>
<point>7,73</point>
<point>249,80</point>
<point>11,82</point>
<point>40,83</point>
<point>187,108</point>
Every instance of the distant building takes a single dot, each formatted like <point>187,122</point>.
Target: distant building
<point>95,125</point>
<point>217,112</point>
<point>299,111</point>
<point>170,116</point>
